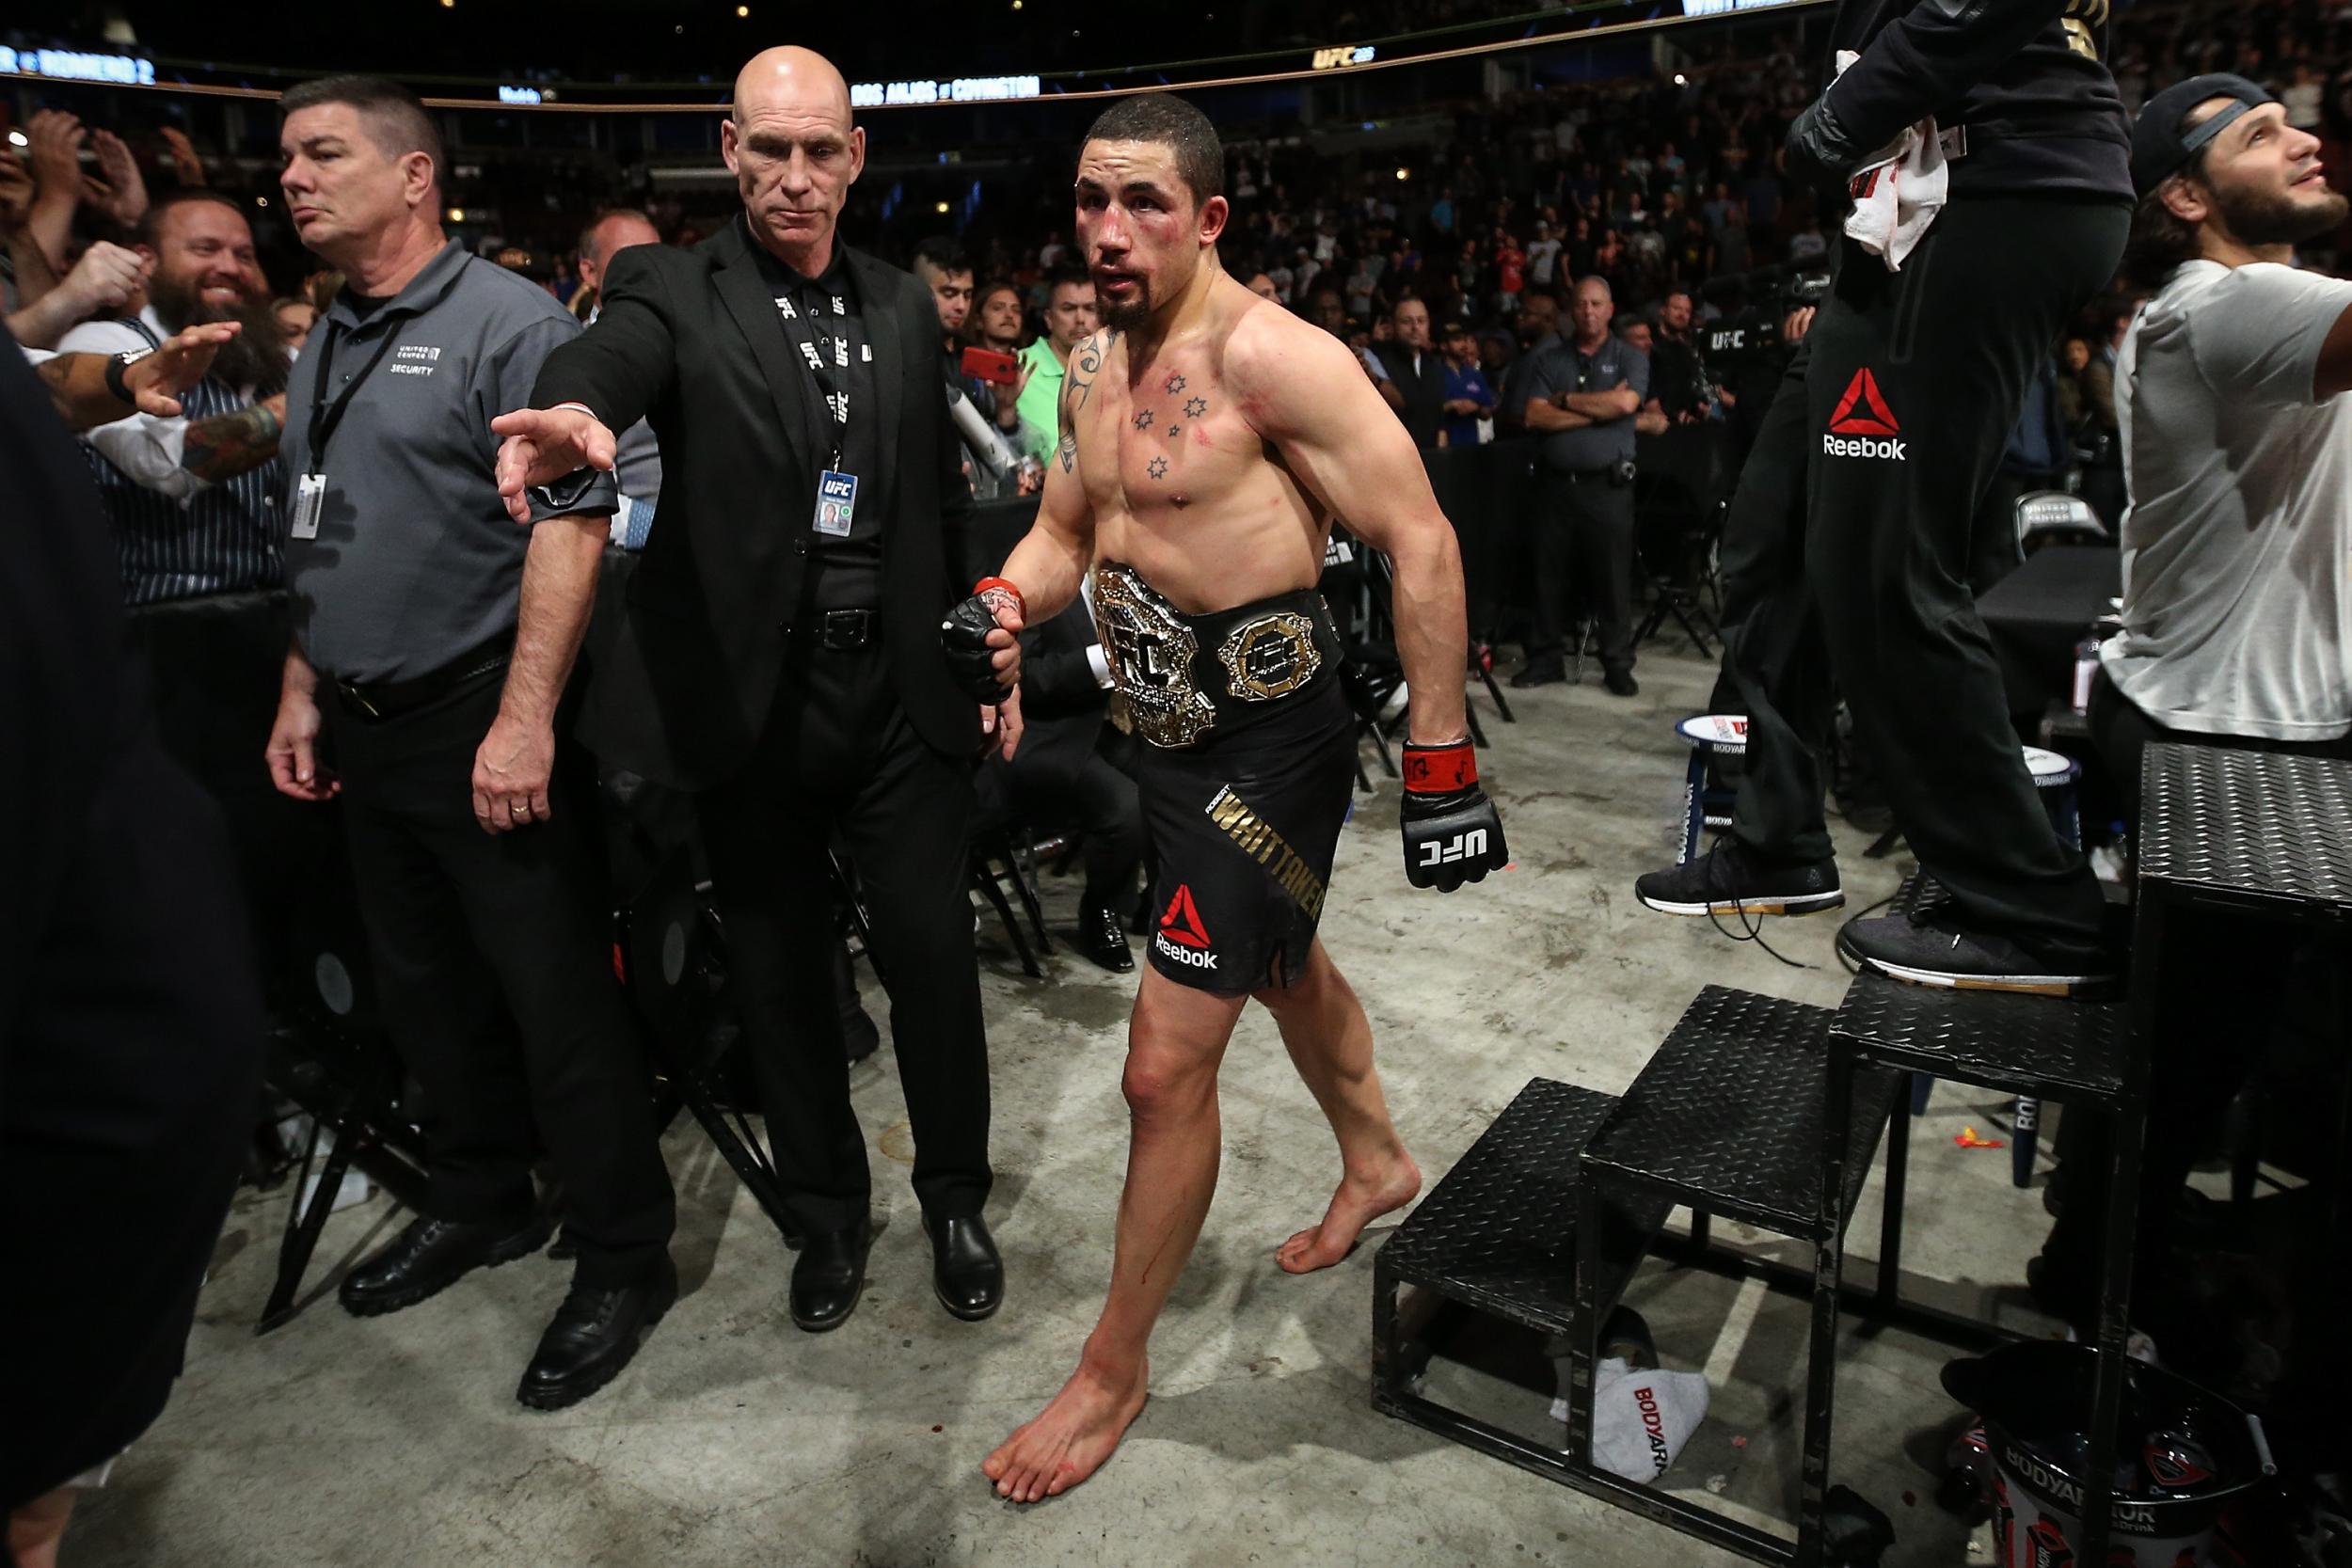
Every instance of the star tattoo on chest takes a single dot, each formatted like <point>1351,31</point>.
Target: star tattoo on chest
<point>1158,469</point>
<point>1145,419</point>
<point>1194,407</point>
<point>1175,383</point>
<point>1174,430</point>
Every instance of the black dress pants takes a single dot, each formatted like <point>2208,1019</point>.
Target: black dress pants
<point>839,756</point>
<point>493,966</point>
<point>1911,384</point>
<point>1583,535</point>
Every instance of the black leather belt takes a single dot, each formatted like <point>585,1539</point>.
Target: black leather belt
<point>843,630</point>
<point>380,700</point>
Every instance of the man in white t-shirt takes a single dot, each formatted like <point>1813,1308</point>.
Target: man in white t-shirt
<point>2233,405</point>
<point>2236,433</point>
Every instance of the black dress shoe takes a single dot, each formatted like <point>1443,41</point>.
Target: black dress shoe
<point>594,1333</point>
<point>431,1255</point>
<point>829,1278</point>
<point>1545,672</point>
<point>1621,683</point>
<point>966,1274</point>
<point>1104,940</point>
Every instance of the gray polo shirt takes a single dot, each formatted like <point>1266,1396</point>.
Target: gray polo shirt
<point>416,563</point>
<point>1559,368</point>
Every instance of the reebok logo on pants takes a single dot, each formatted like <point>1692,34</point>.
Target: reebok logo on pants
<point>1863,425</point>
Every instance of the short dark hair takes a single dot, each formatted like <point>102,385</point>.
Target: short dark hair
<point>1167,120</point>
<point>1067,273</point>
<point>150,222</point>
<point>941,255</point>
<point>396,118</point>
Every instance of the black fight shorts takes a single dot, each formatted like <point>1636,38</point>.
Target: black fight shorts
<point>1246,779</point>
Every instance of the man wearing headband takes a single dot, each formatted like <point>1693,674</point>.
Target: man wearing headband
<point>2231,401</point>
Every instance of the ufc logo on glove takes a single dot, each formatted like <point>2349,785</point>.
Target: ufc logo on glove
<point>1452,832</point>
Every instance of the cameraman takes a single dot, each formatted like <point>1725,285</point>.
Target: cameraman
<point>1581,398</point>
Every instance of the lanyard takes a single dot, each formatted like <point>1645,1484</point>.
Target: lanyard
<point>823,351</point>
<point>326,417</point>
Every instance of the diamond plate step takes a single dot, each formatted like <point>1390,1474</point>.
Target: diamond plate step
<point>1726,1118</point>
<point>1499,1233</point>
<point>2257,825</point>
<point>2042,1046</point>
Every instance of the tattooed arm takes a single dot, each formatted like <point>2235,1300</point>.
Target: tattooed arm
<point>1051,561</point>
<point>226,445</point>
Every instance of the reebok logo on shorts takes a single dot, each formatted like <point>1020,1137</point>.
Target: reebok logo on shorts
<point>1863,425</point>
<point>1181,938</point>
<point>1260,843</point>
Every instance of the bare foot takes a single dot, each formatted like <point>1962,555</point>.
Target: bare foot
<point>1071,1438</point>
<point>1356,1204</point>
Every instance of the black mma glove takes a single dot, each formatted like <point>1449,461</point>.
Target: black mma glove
<point>1452,832</point>
<point>964,639</point>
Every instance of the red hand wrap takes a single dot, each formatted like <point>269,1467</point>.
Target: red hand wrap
<point>1440,770</point>
<point>986,584</point>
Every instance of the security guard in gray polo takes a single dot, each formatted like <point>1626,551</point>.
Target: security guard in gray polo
<point>433,643</point>
<point>1582,392</point>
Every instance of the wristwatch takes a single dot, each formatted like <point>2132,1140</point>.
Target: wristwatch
<point>115,365</point>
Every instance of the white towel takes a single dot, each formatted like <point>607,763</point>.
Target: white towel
<point>1898,193</point>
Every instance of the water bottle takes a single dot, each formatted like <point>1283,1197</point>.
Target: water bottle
<point>2086,667</point>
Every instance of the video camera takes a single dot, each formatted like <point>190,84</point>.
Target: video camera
<point>1768,295</point>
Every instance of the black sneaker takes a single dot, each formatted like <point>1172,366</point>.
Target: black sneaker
<point>1940,950</point>
<point>1621,683</point>
<point>1729,878</point>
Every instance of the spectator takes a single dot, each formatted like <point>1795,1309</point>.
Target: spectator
<point>991,464</point>
<point>614,230</point>
<point>1069,319</point>
<point>1470,405</point>
<point>637,464</point>
<point>1583,396</point>
<point>1537,329</point>
<point>1262,286</point>
<point>1543,256</point>
<point>1678,380</point>
<point>295,318</point>
<point>1410,374</point>
<point>995,320</point>
<point>195,500</point>
<point>2234,399</point>
<point>1327,310</point>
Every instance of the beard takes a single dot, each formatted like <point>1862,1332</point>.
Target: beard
<point>1126,318</point>
<point>255,357</point>
<point>2268,217</point>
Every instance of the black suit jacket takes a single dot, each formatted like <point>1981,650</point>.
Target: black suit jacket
<point>690,341</point>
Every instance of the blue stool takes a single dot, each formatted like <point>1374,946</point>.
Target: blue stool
<point>1708,735</point>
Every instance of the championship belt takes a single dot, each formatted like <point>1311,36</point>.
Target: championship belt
<point>1270,656</point>
<point>1151,652</point>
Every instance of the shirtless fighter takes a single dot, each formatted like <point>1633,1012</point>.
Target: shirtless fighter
<point>1208,437</point>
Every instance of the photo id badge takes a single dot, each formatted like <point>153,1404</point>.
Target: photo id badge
<point>310,500</point>
<point>836,504</point>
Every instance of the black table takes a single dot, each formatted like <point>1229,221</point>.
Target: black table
<point>2038,612</point>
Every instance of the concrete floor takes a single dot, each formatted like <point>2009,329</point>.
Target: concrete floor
<point>735,1438</point>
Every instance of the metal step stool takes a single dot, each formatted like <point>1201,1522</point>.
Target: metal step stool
<point>1728,1119</point>
<point>1497,1236</point>
<point>2078,1053</point>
